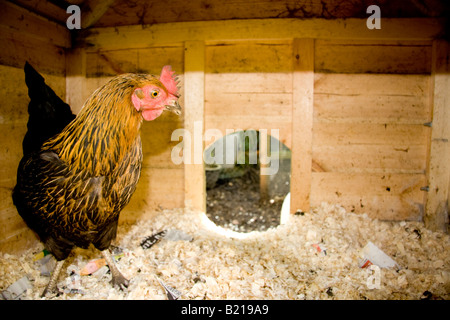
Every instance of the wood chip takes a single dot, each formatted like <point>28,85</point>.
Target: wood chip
<point>280,263</point>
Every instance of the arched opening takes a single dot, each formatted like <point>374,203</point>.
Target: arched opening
<point>247,179</point>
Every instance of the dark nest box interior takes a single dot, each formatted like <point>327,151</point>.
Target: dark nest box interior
<point>355,95</point>
<point>239,195</point>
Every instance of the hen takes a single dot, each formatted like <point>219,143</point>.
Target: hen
<point>71,189</point>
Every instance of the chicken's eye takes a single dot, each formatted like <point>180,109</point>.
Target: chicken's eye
<point>155,93</point>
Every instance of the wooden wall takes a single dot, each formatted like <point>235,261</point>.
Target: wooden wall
<point>349,100</point>
<point>23,36</point>
<point>371,100</point>
<point>248,85</point>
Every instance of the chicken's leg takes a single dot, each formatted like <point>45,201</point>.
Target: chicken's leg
<point>51,287</point>
<point>117,277</point>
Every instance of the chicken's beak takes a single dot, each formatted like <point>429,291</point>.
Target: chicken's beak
<point>175,108</point>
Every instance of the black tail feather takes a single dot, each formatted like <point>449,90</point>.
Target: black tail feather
<point>48,114</point>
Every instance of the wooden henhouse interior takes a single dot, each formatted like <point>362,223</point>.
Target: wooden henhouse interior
<point>361,101</point>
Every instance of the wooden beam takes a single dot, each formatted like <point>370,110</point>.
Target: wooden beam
<point>194,100</point>
<point>129,37</point>
<point>75,78</point>
<point>436,208</point>
<point>93,10</point>
<point>302,123</point>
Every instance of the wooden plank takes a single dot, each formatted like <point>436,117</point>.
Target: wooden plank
<point>240,123</point>
<point>11,137</point>
<point>23,21</point>
<point>159,34</point>
<point>337,56</point>
<point>76,79</point>
<point>371,158</point>
<point>157,188</point>
<point>20,47</point>
<point>436,209</point>
<point>371,85</point>
<point>302,123</point>
<point>149,60</point>
<point>380,195</point>
<point>249,56</point>
<point>267,83</point>
<point>382,109</point>
<point>15,236</point>
<point>249,111</point>
<point>397,135</point>
<point>194,97</point>
<point>156,141</point>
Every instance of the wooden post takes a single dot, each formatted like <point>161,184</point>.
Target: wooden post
<point>264,149</point>
<point>194,99</point>
<point>302,123</point>
<point>438,173</point>
<point>75,78</point>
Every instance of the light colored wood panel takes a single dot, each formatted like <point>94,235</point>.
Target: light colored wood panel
<point>160,34</point>
<point>400,136</point>
<point>388,109</point>
<point>264,83</point>
<point>149,60</point>
<point>371,183</point>
<point>156,142</point>
<point>389,208</point>
<point>237,123</point>
<point>373,57</point>
<point>249,103</point>
<point>15,236</point>
<point>371,158</point>
<point>23,21</point>
<point>371,84</point>
<point>302,123</point>
<point>10,222</point>
<point>14,101</point>
<point>382,196</point>
<point>11,137</point>
<point>249,56</point>
<point>157,188</point>
<point>76,79</point>
<point>161,160</point>
<point>438,173</point>
<point>194,85</point>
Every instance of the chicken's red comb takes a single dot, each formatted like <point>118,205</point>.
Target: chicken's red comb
<point>169,80</point>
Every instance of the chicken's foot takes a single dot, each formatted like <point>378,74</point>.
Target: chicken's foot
<point>51,286</point>
<point>117,277</point>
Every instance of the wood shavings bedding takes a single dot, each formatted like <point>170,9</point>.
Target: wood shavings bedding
<point>281,263</point>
